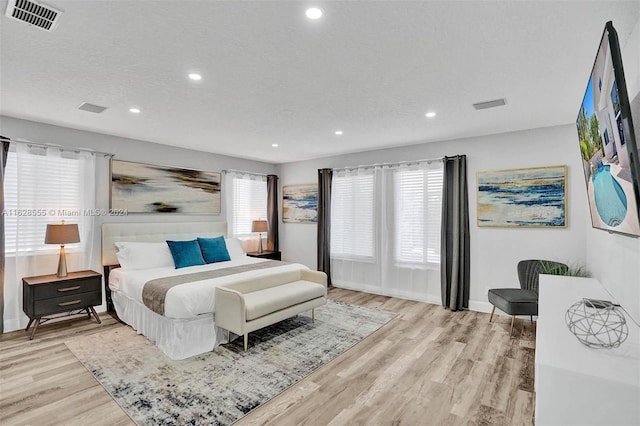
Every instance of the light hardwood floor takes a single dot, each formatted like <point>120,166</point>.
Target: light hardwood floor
<point>428,366</point>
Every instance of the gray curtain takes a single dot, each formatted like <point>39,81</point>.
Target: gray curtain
<point>324,221</point>
<point>454,253</point>
<point>273,241</point>
<point>3,158</point>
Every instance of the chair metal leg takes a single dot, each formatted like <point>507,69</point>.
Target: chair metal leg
<point>531,318</point>
<point>513,318</point>
<point>228,336</point>
<point>246,341</point>
<point>492,311</point>
<point>313,314</point>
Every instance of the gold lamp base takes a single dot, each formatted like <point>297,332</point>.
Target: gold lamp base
<point>62,263</point>
<point>260,242</point>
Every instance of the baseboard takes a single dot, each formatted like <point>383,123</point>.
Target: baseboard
<point>427,298</point>
<point>477,306</point>
<point>474,305</point>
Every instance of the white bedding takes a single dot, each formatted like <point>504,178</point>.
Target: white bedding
<point>191,299</point>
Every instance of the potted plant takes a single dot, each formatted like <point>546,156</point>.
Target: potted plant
<point>553,268</point>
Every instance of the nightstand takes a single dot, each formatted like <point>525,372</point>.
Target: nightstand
<point>46,295</point>
<point>266,254</point>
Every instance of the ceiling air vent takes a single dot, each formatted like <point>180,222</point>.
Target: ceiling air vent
<point>33,13</point>
<point>490,104</point>
<point>86,106</point>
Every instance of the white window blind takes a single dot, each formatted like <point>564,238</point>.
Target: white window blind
<point>249,202</point>
<point>352,215</point>
<point>410,216</point>
<point>47,189</point>
<point>418,210</point>
<point>434,213</point>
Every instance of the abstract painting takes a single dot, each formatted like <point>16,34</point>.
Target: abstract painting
<point>300,203</point>
<point>534,197</point>
<point>146,188</point>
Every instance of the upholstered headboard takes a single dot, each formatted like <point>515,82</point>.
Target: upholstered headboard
<point>154,232</point>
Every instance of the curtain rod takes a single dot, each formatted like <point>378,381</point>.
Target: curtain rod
<point>60,147</point>
<point>244,172</point>
<point>399,163</point>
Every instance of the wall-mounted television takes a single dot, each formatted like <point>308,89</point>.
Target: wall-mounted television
<point>608,143</point>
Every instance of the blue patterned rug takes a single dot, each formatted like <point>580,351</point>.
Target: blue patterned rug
<point>219,387</point>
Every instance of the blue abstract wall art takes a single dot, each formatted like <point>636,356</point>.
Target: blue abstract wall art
<point>300,203</point>
<point>532,197</point>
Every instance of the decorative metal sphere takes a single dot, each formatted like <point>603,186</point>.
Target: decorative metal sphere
<point>597,323</point>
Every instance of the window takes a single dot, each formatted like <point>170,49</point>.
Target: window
<point>352,219</point>
<point>385,228</point>
<point>417,203</point>
<point>435,182</point>
<point>248,202</point>
<point>409,216</point>
<point>41,187</point>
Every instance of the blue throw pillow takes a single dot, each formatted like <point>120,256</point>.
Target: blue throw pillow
<point>214,249</point>
<point>185,253</point>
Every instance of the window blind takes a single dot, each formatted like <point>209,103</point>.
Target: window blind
<point>48,189</point>
<point>418,212</point>
<point>434,214</point>
<point>249,203</point>
<point>352,215</point>
<point>410,210</point>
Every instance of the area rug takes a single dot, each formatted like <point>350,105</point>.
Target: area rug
<point>219,387</point>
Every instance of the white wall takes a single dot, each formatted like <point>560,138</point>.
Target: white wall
<point>615,259</point>
<point>124,149</point>
<point>495,252</point>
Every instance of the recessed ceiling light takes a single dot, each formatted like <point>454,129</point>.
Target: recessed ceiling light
<point>134,110</point>
<point>313,13</point>
<point>194,76</point>
<point>430,114</point>
<point>275,145</point>
<point>339,132</point>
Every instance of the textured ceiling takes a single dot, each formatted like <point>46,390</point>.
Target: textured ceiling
<point>270,75</point>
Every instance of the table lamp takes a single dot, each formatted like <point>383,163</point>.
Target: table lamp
<point>259,226</point>
<point>63,233</point>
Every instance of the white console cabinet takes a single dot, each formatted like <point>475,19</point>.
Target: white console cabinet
<point>577,385</point>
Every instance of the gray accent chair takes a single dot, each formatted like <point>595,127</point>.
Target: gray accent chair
<point>524,300</point>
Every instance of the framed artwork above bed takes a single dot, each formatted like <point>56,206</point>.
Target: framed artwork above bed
<point>147,188</point>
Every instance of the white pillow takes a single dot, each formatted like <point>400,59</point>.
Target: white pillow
<point>135,255</point>
<point>234,247</point>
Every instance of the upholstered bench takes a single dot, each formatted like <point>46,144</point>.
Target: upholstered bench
<point>248,305</point>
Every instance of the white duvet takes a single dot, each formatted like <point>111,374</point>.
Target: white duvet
<point>190,299</point>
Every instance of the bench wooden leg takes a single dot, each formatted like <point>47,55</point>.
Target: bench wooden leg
<point>246,341</point>
<point>313,314</point>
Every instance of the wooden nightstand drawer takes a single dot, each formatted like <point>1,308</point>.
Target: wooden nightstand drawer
<point>66,303</point>
<point>65,288</point>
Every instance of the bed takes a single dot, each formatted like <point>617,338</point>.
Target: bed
<point>186,326</point>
